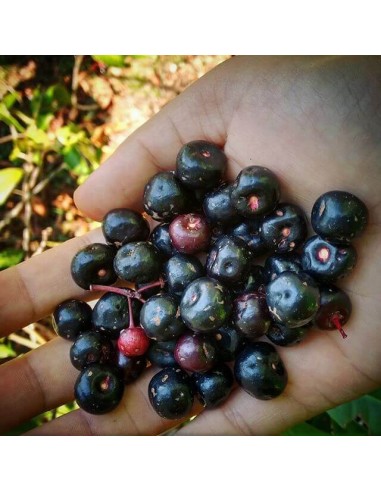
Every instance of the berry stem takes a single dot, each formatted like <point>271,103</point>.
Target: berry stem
<point>159,283</point>
<point>125,291</point>
<point>336,321</point>
<point>131,314</point>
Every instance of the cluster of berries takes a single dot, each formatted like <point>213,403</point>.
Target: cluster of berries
<point>191,296</point>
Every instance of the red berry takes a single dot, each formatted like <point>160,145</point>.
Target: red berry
<point>190,233</point>
<point>133,342</point>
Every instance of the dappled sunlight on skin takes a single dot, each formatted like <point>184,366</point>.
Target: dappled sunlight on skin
<point>311,121</point>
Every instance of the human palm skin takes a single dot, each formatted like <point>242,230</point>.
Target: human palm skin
<point>316,122</point>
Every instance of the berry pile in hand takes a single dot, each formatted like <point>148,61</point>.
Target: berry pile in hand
<point>227,265</point>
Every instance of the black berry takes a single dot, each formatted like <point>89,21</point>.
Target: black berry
<point>228,342</point>
<point>254,282</point>
<point>138,262</point>
<point>335,309</point>
<point>279,263</point>
<point>123,225</point>
<point>161,240</point>
<point>90,348</point>
<point>93,264</point>
<point>214,386</point>
<point>160,318</point>
<point>251,315</point>
<point>286,337</point>
<point>218,207</point>
<point>162,353</point>
<point>180,271</point>
<point>249,232</point>
<point>71,318</point>
<point>131,367</point>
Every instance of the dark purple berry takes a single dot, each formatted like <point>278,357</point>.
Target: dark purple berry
<point>180,271</point>
<point>162,353</point>
<point>131,367</point>
<point>228,342</point>
<point>195,352</point>
<point>71,318</point>
<point>93,264</point>
<point>251,315</point>
<point>190,233</point>
<point>286,337</point>
<point>255,191</point>
<point>90,348</point>
<point>259,370</point>
<point>279,263</point>
<point>249,232</point>
<point>161,240</point>
<point>335,309</point>
<point>339,216</point>
<point>160,318</point>
<point>327,262</point>
<point>138,262</point>
<point>254,282</point>
<point>214,386</point>
<point>218,208</point>
<point>292,299</point>
<point>123,225</point>
<point>200,164</point>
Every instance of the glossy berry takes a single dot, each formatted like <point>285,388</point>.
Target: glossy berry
<point>335,309</point>
<point>214,386</point>
<point>249,232</point>
<point>138,262</point>
<point>200,164</point>
<point>254,282</point>
<point>286,337</point>
<point>90,348</point>
<point>279,263</point>
<point>160,318</point>
<point>228,341</point>
<point>339,216</point>
<point>218,207</point>
<point>131,368</point>
<point>161,240</point>
<point>285,229</point>
<point>195,352</point>
<point>162,353</point>
<point>165,197</point>
<point>71,318</point>
<point>255,191</point>
<point>93,264</point>
<point>228,261</point>
<point>327,262</point>
<point>205,305</point>
<point>122,225</point>
<point>99,389</point>
<point>251,315</point>
<point>171,393</point>
<point>133,341</point>
<point>292,299</point>
<point>190,233</point>
<point>180,271</point>
<point>111,315</point>
<point>259,370</point>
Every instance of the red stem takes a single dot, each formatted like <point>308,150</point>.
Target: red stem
<point>159,283</point>
<point>124,291</point>
<point>336,321</point>
<point>131,314</point>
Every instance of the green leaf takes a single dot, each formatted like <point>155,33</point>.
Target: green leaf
<point>76,162</point>
<point>110,60</point>
<point>304,429</point>
<point>9,178</point>
<point>10,257</point>
<point>8,119</point>
<point>367,408</point>
<point>70,135</point>
<point>6,351</point>
<point>38,136</point>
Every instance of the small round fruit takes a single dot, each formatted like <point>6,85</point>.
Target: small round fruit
<point>255,191</point>
<point>161,240</point>
<point>131,367</point>
<point>93,264</point>
<point>292,299</point>
<point>90,348</point>
<point>99,389</point>
<point>228,341</point>
<point>180,271</point>
<point>286,337</point>
<point>327,262</point>
<point>213,387</point>
<point>200,164</point>
<point>254,282</point>
<point>171,393</point>
<point>133,341</point>
<point>249,232</point>
<point>195,352</point>
<point>218,207</point>
<point>335,309</point>
<point>259,370</point>
<point>71,318</point>
<point>160,318</point>
<point>251,315</point>
<point>162,353</point>
<point>339,216</point>
<point>190,233</point>
<point>138,262</point>
<point>279,263</point>
<point>205,305</point>
<point>122,225</point>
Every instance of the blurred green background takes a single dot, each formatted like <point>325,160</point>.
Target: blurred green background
<point>60,117</point>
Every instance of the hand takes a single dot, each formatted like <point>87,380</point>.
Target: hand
<point>316,123</point>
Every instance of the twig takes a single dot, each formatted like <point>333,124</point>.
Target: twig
<point>26,342</point>
<point>11,138</point>
<point>30,178</point>
<point>75,80</point>
<point>45,233</point>
<point>34,335</point>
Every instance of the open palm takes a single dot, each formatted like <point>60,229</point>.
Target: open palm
<point>316,122</point>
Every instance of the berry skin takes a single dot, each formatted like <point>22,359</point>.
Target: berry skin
<point>205,305</point>
<point>160,318</point>
<point>162,353</point>
<point>71,318</point>
<point>190,233</point>
<point>255,191</point>
<point>284,229</point>
<point>99,389</point>
<point>138,262</point>
<point>123,225</point>
<point>339,216</point>
<point>90,348</point>
<point>93,264</point>
<point>292,299</point>
<point>213,387</point>
<point>228,261</point>
<point>180,271</point>
<point>279,263</point>
<point>287,337</point>
<point>161,240</point>
<point>254,282</point>
<point>259,370</point>
<point>131,368</point>
<point>195,352</point>
<point>200,164</point>
<point>251,315</point>
<point>228,341</point>
<point>249,232</point>
<point>133,341</point>
<point>165,197</point>
<point>327,262</point>
<point>171,393</point>
<point>218,207</point>
<point>335,309</point>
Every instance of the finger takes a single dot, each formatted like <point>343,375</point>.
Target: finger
<point>153,147</point>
